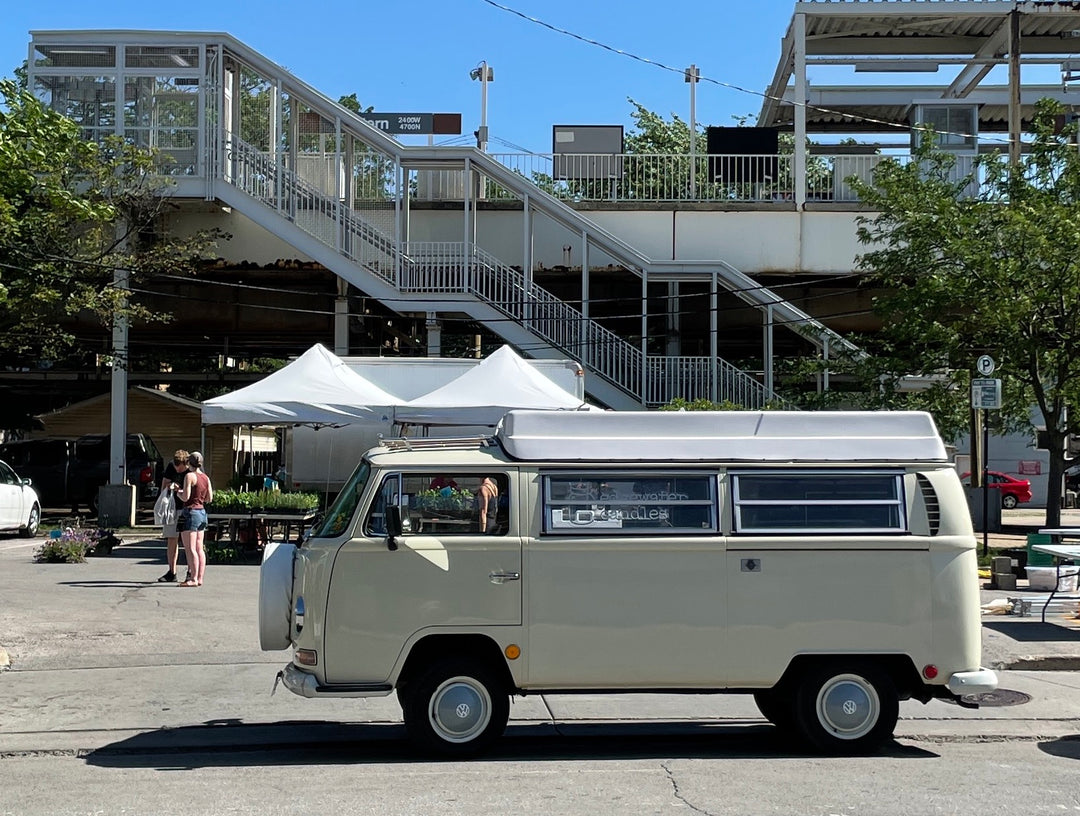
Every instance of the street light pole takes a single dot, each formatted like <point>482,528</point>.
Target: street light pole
<point>485,74</point>
<point>691,75</point>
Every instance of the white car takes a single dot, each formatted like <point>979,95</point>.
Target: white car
<point>20,507</point>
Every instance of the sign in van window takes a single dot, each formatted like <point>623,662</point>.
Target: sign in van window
<point>649,503</point>
<point>819,502</point>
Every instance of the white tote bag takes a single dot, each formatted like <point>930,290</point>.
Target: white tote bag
<point>165,509</point>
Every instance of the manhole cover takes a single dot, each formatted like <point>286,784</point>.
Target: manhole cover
<point>999,698</point>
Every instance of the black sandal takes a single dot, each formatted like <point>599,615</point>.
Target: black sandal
<point>167,578</point>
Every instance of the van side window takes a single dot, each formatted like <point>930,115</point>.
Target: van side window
<point>619,503</point>
<point>444,503</point>
<point>819,501</point>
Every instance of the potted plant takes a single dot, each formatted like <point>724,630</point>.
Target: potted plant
<point>244,502</point>
<point>450,502</point>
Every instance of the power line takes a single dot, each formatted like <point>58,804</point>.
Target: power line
<point>720,83</point>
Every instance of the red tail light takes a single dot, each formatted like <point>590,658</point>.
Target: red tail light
<point>146,475</point>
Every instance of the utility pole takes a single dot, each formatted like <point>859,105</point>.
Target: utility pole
<point>691,75</point>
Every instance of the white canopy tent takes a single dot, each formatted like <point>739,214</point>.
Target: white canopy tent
<point>483,395</point>
<point>317,388</point>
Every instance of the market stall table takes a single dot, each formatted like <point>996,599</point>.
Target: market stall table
<point>1061,553</point>
<point>262,525</point>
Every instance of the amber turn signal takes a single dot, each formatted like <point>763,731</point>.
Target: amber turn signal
<point>513,651</point>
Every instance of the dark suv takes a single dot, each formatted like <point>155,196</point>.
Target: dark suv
<point>68,472</point>
<point>89,468</point>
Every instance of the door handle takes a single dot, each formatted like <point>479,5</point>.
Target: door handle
<point>503,577</point>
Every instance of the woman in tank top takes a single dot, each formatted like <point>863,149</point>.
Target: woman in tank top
<point>196,493</point>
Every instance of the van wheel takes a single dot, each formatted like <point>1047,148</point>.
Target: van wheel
<point>457,708</point>
<point>776,707</point>
<point>847,709</point>
<point>32,523</point>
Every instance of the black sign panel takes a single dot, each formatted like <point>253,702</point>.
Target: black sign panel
<point>739,155</point>
<point>416,123</point>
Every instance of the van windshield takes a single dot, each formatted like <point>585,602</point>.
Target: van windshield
<point>341,513</point>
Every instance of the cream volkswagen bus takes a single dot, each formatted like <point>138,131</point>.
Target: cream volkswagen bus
<point>822,562</point>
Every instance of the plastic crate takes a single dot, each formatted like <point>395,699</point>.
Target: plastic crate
<point>1043,578</point>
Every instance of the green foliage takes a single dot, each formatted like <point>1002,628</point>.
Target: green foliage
<point>73,216</point>
<point>222,552</point>
<point>270,501</point>
<point>961,275</point>
<point>702,404</point>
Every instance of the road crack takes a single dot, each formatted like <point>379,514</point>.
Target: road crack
<point>678,792</point>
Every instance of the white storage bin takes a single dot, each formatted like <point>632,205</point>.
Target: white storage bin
<point>1043,578</point>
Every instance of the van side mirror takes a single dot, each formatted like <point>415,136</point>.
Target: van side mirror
<point>393,526</point>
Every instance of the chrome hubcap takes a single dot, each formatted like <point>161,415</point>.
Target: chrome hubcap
<point>460,709</point>
<point>848,706</point>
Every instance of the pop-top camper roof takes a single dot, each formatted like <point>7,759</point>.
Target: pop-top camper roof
<point>722,436</point>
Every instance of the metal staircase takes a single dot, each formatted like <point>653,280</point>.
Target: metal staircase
<point>365,243</point>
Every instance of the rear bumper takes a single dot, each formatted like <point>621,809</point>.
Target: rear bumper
<point>973,682</point>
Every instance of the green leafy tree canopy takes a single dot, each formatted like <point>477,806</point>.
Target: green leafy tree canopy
<point>997,271</point>
<point>72,213</point>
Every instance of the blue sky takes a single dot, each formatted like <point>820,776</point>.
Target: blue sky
<point>415,55</point>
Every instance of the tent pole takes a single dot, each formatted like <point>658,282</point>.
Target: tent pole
<point>326,487</point>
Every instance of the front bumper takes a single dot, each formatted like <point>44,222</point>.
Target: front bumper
<point>304,684</point>
<point>973,682</point>
<point>299,682</point>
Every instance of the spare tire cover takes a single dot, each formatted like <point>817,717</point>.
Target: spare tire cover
<point>275,596</point>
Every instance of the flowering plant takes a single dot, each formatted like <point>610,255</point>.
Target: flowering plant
<point>74,544</point>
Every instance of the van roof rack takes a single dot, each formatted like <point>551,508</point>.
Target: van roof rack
<point>428,442</point>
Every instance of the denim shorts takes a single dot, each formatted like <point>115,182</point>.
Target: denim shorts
<point>191,520</point>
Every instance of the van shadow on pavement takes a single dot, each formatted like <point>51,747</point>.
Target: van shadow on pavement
<point>1034,631</point>
<point>235,744</point>
<point>1063,748</point>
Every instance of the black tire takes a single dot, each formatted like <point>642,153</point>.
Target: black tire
<point>847,708</point>
<point>776,707</point>
<point>1009,502</point>
<point>32,523</point>
<point>456,708</point>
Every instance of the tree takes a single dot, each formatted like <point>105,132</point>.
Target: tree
<point>998,273</point>
<point>73,213</point>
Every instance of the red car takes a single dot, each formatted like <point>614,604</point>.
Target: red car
<point>1013,491</point>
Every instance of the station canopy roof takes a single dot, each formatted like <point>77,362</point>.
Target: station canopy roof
<point>970,36</point>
